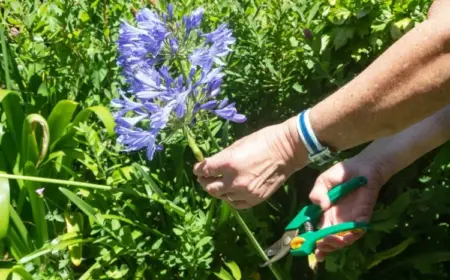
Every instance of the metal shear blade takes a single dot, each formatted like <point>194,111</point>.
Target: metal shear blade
<point>280,248</point>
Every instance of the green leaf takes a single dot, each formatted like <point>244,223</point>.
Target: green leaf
<point>151,183</point>
<point>399,28</point>
<point>74,224</point>
<point>203,241</point>
<point>88,274</point>
<point>223,274</point>
<point>4,206</point>
<point>82,205</point>
<point>234,268</point>
<point>20,226</point>
<point>342,35</point>
<point>392,252</point>
<point>87,209</point>
<point>55,245</point>
<point>5,56</point>
<point>15,116</point>
<point>339,15</point>
<point>298,88</point>
<point>98,76</point>
<point>37,206</point>
<point>30,151</point>
<point>82,157</point>
<point>84,16</point>
<point>293,41</point>
<point>157,244</point>
<point>60,118</point>
<point>17,270</point>
<point>313,12</point>
<point>102,113</point>
<point>17,246</point>
<point>3,93</point>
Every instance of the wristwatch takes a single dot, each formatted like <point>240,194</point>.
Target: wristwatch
<point>317,153</point>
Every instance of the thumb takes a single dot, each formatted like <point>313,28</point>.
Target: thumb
<point>210,167</point>
<point>319,193</point>
<point>325,182</point>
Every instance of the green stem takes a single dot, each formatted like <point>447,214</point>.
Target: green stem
<point>208,130</point>
<point>180,211</point>
<point>199,156</point>
<point>242,223</point>
<point>254,242</point>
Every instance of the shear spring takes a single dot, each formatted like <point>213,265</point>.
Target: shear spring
<point>308,226</point>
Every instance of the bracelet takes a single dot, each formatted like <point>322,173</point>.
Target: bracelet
<point>317,153</point>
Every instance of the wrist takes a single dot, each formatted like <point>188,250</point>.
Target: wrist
<point>297,150</point>
<point>383,169</point>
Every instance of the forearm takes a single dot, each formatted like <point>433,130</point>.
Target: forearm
<point>394,153</point>
<point>406,84</point>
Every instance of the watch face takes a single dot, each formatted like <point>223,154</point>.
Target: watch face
<point>322,157</point>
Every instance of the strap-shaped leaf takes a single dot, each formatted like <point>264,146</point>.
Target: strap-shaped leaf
<point>30,151</point>
<point>37,205</point>
<point>103,114</point>
<point>60,118</point>
<point>15,270</point>
<point>15,116</point>
<point>4,207</point>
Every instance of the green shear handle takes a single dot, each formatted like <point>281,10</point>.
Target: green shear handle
<point>304,244</point>
<point>312,213</point>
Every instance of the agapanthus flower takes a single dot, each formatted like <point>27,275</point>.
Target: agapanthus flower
<point>174,74</point>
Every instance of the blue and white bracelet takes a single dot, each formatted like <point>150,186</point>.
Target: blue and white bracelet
<point>317,152</point>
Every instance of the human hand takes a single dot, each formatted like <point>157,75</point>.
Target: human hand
<point>357,206</point>
<point>254,167</point>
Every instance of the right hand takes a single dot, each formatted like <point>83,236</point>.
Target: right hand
<point>355,207</point>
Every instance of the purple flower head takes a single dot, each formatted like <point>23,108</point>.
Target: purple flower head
<point>229,112</point>
<point>170,11</point>
<point>173,79</point>
<point>173,45</point>
<point>141,45</point>
<point>193,20</point>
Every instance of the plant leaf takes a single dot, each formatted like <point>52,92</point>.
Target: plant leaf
<point>4,206</point>
<point>37,205</point>
<point>15,116</point>
<point>29,151</point>
<point>18,270</point>
<point>234,268</point>
<point>60,118</point>
<point>223,274</point>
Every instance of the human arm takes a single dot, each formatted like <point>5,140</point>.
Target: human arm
<point>406,84</point>
<point>378,162</point>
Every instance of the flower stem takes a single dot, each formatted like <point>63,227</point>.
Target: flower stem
<point>242,223</point>
<point>208,130</point>
<point>254,242</point>
<point>199,156</point>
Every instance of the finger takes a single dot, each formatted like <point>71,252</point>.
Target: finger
<point>210,167</point>
<point>323,247</point>
<point>351,238</point>
<point>325,182</point>
<point>320,256</point>
<point>214,187</point>
<point>231,196</point>
<point>240,204</point>
<point>319,193</point>
<point>336,242</point>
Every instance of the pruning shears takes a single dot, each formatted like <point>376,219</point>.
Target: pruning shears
<point>303,244</point>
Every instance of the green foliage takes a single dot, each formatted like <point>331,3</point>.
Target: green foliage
<point>152,220</point>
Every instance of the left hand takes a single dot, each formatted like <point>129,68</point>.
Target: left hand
<point>356,206</point>
<point>254,167</point>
